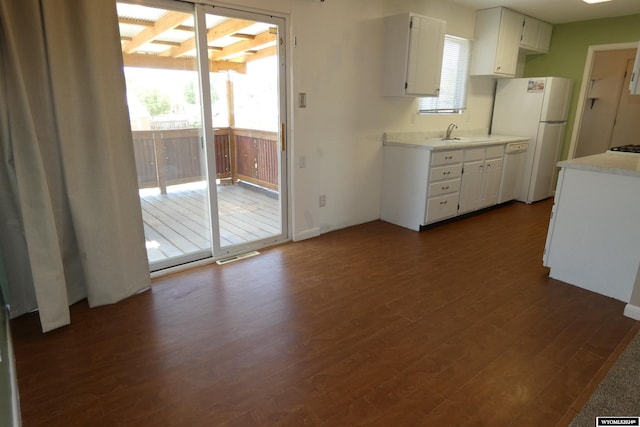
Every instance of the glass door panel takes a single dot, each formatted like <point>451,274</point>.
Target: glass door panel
<point>163,94</point>
<point>246,74</point>
<point>205,90</point>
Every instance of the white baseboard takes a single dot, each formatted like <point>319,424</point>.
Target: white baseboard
<point>632,311</point>
<point>306,234</point>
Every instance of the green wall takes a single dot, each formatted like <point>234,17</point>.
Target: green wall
<point>568,53</point>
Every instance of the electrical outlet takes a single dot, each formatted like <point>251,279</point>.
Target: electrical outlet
<point>322,200</point>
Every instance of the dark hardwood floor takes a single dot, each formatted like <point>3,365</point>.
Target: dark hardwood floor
<point>371,325</point>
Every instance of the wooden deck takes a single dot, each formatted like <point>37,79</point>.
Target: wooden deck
<point>177,223</point>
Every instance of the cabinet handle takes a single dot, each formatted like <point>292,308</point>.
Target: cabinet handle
<point>446,173</point>
<point>448,157</point>
<point>443,203</point>
<point>445,188</point>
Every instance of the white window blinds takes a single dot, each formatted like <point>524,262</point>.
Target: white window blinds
<point>454,77</point>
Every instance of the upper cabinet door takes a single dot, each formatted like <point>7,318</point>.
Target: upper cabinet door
<point>497,40</point>
<point>412,62</point>
<point>426,45</point>
<point>536,35</point>
<point>508,42</point>
<point>500,35</point>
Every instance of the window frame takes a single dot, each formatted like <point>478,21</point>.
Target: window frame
<point>454,103</point>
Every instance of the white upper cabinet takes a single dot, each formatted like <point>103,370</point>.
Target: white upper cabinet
<point>500,35</point>
<point>497,41</point>
<point>536,35</point>
<point>413,49</point>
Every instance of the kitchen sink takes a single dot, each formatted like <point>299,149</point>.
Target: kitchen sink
<point>462,140</point>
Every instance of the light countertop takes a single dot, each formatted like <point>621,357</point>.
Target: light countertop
<point>612,163</point>
<point>436,143</point>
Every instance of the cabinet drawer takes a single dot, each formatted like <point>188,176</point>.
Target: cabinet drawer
<point>473,154</point>
<point>446,157</point>
<point>445,172</point>
<point>494,152</point>
<point>444,187</point>
<point>441,207</point>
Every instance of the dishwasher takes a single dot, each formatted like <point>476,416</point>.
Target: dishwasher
<point>515,156</point>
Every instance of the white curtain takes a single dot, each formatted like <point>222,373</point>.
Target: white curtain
<point>70,219</point>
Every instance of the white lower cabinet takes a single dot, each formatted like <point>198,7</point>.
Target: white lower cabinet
<point>444,185</point>
<point>593,240</point>
<point>422,186</point>
<point>480,182</point>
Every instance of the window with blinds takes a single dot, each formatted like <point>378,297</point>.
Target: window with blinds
<point>454,77</point>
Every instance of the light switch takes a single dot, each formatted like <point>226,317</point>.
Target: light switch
<point>302,100</point>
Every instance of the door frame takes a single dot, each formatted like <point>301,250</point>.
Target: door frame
<point>584,88</point>
<point>201,10</point>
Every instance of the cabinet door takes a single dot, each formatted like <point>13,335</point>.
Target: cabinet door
<point>491,182</point>
<point>508,42</point>
<point>426,45</point>
<point>471,186</point>
<point>544,37</point>
<point>530,30</point>
<point>536,35</point>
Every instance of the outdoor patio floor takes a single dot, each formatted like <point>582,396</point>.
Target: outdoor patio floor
<point>177,223</point>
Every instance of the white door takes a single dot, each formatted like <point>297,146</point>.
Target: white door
<point>625,128</point>
<point>206,90</point>
<point>248,205</point>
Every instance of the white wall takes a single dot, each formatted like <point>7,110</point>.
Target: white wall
<point>337,62</point>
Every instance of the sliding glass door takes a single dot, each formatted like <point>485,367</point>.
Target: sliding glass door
<point>205,88</point>
<point>249,198</point>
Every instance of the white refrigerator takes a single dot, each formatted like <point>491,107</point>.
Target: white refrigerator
<point>536,108</point>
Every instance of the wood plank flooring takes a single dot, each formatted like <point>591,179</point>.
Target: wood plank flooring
<point>177,223</point>
<point>371,325</point>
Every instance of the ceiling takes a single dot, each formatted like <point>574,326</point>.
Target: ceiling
<point>559,11</point>
<point>158,38</point>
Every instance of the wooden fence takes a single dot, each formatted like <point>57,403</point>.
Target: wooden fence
<point>175,156</point>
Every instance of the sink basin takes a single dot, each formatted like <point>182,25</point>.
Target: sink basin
<point>462,140</point>
<point>472,139</point>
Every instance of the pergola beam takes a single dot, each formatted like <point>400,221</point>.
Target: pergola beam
<point>167,22</point>
<point>184,64</point>
<point>234,49</point>
<point>227,28</point>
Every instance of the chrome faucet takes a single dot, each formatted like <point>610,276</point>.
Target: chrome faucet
<point>450,129</point>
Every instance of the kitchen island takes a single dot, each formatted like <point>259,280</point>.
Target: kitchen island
<point>593,240</point>
<point>423,180</point>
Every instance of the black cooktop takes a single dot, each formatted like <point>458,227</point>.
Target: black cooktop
<point>632,148</point>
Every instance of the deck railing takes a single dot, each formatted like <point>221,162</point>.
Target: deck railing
<point>175,156</point>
